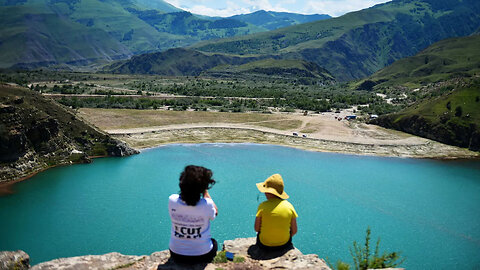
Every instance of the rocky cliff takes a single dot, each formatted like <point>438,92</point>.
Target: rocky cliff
<point>244,248</point>
<point>37,133</point>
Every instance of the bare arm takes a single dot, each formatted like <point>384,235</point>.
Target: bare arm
<point>293,226</point>
<point>258,223</point>
<point>207,195</point>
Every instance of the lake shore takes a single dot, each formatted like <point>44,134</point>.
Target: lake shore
<point>149,138</point>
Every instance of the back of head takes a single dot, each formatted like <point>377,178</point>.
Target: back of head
<point>194,180</point>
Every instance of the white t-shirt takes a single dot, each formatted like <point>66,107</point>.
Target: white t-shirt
<point>190,233</point>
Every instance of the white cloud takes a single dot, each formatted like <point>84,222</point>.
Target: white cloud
<point>229,8</point>
<point>213,12</point>
<point>338,7</point>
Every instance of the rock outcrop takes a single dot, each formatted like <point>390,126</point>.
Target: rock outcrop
<point>253,258</point>
<point>18,260</point>
<point>37,133</point>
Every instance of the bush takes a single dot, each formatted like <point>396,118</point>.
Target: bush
<point>458,111</point>
<point>363,259</point>
<point>220,258</point>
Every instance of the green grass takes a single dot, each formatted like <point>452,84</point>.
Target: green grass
<point>220,258</point>
<point>436,108</point>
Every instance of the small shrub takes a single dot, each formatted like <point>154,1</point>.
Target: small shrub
<point>220,258</point>
<point>238,259</point>
<point>363,259</point>
<point>342,266</point>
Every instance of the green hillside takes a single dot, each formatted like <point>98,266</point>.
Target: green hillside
<point>43,38</point>
<point>456,57</point>
<point>277,69</point>
<point>174,62</point>
<point>360,43</point>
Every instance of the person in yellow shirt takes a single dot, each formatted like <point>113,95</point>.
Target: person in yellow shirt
<point>276,219</point>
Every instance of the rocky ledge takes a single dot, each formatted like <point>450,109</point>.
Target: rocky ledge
<point>253,258</point>
<point>38,133</point>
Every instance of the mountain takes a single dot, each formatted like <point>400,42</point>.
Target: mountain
<point>270,20</point>
<point>448,92</point>
<point>37,133</point>
<point>360,43</point>
<point>36,33</point>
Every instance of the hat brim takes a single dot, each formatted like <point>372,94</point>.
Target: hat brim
<point>262,188</point>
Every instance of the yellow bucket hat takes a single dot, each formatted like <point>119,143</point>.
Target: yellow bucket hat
<point>273,185</point>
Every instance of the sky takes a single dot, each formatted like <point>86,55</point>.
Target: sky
<point>225,8</point>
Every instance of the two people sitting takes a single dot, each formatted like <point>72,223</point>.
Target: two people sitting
<point>192,210</point>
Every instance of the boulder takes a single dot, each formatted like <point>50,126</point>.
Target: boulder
<point>253,259</point>
<point>283,259</point>
<point>14,260</point>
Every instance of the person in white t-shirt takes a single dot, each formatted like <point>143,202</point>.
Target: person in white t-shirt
<point>190,213</point>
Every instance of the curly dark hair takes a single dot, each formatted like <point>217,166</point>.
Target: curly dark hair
<point>194,180</point>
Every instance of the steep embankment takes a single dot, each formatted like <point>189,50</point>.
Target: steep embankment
<point>36,133</point>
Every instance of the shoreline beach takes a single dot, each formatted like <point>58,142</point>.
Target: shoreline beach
<point>406,148</point>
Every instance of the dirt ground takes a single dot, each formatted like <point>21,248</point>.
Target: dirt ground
<point>316,132</point>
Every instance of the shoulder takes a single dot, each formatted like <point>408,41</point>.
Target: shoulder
<point>174,198</point>
<point>287,204</point>
<point>205,201</point>
<point>263,204</point>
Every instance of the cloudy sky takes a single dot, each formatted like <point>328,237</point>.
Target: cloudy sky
<point>227,8</point>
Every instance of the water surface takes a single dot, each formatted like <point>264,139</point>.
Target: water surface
<point>428,210</point>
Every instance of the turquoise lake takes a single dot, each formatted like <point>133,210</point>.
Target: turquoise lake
<point>427,209</point>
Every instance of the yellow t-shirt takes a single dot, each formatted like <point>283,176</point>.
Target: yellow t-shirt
<point>276,217</point>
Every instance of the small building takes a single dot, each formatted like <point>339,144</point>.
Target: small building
<point>373,116</point>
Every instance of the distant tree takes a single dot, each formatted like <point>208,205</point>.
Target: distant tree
<point>458,111</point>
<point>449,105</point>
<point>477,99</point>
